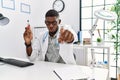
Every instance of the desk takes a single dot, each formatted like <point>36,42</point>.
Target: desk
<point>83,51</point>
<point>41,71</point>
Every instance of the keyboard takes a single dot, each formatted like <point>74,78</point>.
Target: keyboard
<point>16,62</point>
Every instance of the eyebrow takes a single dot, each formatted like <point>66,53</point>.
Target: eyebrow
<point>51,21</point>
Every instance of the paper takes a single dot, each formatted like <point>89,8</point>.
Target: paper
<point>66,52</point>
<point>71,73</point>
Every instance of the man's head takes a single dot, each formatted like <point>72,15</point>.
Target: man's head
<point>52,21</point>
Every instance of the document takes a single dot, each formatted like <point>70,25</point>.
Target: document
<point>71,73</point>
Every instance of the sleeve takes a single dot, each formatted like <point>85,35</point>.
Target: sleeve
<point>36,49</point>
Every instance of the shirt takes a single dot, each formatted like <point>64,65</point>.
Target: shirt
<point>52,54</point>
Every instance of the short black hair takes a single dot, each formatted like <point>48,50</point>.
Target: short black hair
<point>52,13</point>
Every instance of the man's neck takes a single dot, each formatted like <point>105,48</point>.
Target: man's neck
<point>51,34</point>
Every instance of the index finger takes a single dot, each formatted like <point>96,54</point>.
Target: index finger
<point>62,30</point>
<point>28,27</point>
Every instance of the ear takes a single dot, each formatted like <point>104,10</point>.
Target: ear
<point>59,21</point>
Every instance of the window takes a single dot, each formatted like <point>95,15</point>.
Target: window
<point>87,19</point>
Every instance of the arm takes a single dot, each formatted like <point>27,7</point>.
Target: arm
<point>28,49</point>
<point>28,36</point>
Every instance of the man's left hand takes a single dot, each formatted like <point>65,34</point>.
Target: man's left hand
<point>65,36</point>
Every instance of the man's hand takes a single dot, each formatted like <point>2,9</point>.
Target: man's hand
<point>65,36</point>
<point>28,36</point>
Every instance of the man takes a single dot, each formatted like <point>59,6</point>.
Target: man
<point>46,45</point>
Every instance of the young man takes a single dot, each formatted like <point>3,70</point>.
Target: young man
<point>46,46</point>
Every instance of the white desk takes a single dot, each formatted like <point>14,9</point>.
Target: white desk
<point>83,51</point>
<point>41,71</point>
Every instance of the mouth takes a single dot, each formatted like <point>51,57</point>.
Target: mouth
<point>51,29</point>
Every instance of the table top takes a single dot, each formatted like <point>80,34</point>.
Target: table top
<point>41,71</point>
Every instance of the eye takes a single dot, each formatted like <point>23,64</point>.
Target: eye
<point>48,23</point>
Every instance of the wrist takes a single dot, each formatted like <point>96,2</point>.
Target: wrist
<point>28,45</point>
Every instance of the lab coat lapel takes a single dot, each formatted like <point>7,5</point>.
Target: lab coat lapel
<point>45,46</point>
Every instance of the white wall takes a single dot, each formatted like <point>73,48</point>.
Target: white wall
<point>11,35</point>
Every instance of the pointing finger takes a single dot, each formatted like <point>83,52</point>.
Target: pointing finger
<point>62,30</point>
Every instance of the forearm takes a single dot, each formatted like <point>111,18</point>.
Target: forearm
<point>29,50</point>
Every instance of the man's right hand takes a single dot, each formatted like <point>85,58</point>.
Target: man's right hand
<point>28,36</point>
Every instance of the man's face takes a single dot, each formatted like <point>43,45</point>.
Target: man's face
<point>52,24</point>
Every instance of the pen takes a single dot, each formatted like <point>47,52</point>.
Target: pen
<point>80,79</point>
<point>28,25</point>
<point>57,75</point>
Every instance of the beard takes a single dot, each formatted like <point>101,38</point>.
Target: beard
<point>53,33</point>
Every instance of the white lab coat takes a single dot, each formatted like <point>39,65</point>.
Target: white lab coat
<point>40,45</point>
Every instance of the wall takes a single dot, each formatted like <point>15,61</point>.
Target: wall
<point>11,35</point>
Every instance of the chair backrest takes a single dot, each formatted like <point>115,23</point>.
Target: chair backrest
<point>37,30</point>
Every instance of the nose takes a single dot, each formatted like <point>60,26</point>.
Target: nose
<point>51,25</point>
